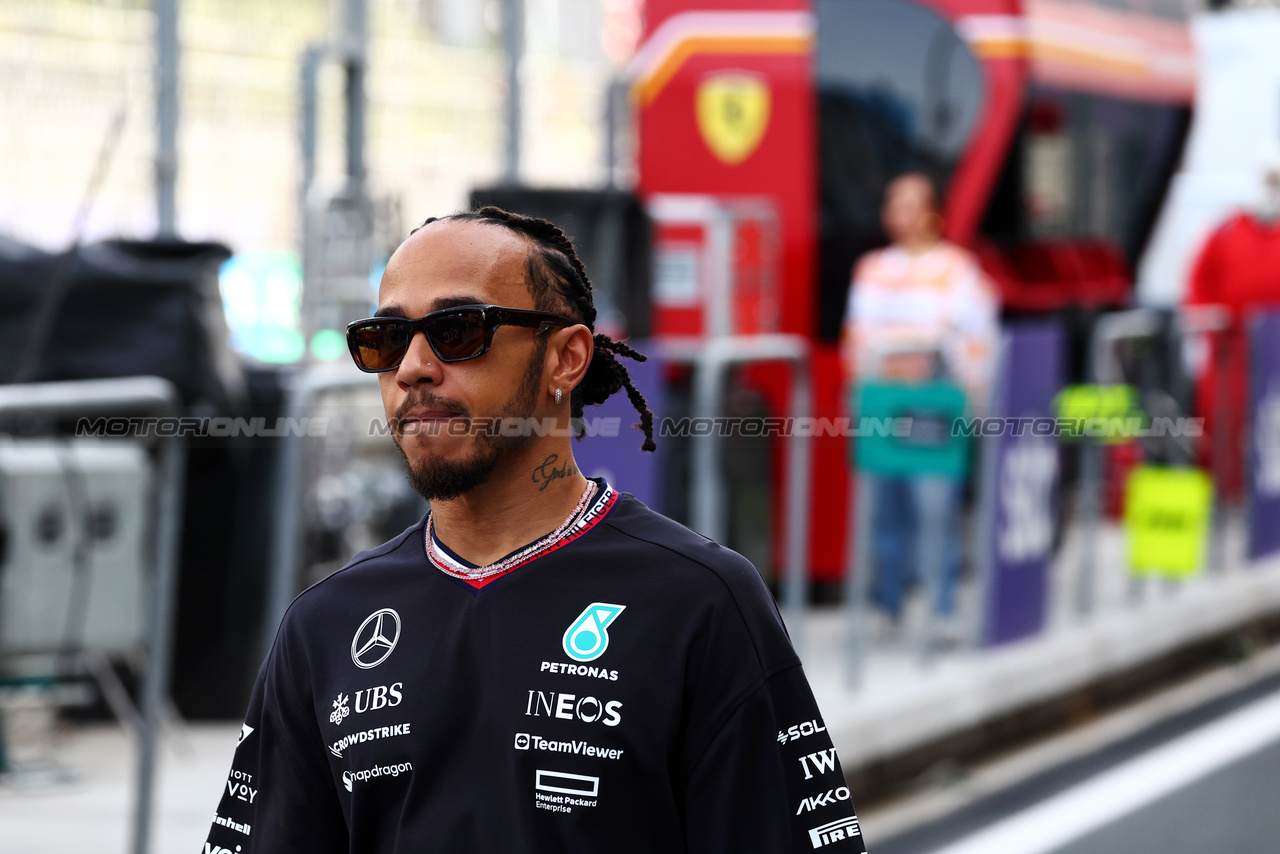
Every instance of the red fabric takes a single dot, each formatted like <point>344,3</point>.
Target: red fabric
<point>1238,268</point>
<point>1119,461</point>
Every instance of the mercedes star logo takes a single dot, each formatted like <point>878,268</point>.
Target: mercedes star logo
<point>376,638</point>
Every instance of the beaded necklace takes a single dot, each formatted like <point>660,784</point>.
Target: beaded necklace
<point>534,548</point>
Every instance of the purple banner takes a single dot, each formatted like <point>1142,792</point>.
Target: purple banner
<point>1263,471</point>
<point>1020,476</point>
<point>614,452</point>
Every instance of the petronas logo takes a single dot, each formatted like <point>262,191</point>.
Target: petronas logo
<point>588,637</point>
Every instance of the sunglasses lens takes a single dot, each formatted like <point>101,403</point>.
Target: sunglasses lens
<point>458,335</point>
<point>379,345</point>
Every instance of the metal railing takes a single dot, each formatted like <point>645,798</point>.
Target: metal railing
<point>1084,589</point>
<point>148,396</point>
<point>710,359</point>
<point>309,386</point>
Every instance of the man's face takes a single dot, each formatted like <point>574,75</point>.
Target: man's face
<point>429,402</point>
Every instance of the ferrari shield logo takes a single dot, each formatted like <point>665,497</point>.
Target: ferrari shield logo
<point>733,113</point>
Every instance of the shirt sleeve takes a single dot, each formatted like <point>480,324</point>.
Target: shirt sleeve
<point>770,779</point>
<point>849,328</point>
<point>860,321</point>
<point>279,794</point>
<point>971,350</point>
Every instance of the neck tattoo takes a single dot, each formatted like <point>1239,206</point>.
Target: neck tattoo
<point>549,471</point>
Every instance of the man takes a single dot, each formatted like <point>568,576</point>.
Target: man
<point>478,684</point>
<point>919,310</point>
<point>1235,269</point>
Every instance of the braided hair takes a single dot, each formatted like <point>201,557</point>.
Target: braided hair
<point>557,279</point>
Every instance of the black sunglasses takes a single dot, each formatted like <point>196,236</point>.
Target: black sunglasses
<point>455,334</point>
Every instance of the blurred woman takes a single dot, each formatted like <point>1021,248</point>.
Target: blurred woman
<point>919,310</point>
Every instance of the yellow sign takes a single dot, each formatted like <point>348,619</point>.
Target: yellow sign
<point>1166,516</point>
<point>1108,413</point>
<point>1096,401</point>
<point>733,113</point>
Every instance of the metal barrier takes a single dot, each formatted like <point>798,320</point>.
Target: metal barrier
<point>147,396</point>
<point>1105,369</point>
<point>710,359</point>
<point>734,333</point>
<point>1017,471</point>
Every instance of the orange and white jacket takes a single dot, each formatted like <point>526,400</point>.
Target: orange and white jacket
<point>938,300</point>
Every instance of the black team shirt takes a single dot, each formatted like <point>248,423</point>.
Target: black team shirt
<point>631,689</point>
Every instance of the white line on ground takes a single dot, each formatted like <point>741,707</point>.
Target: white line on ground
<point>986,778</point>
<point>1072,814</point>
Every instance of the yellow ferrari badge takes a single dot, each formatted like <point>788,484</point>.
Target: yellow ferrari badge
<point>733,113</point>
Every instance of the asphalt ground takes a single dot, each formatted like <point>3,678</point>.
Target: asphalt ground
<point>1233,811</point>
<point>1204,780</point>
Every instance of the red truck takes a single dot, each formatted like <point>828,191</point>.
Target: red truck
<point>1054,125</point>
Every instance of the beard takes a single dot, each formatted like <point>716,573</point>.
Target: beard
<point>437,479</point>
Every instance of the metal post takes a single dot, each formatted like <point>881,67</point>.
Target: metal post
<point>156,689</point>
<point>336,226</point>
<point>988,473</point>
<point>706,499</point>
<point>312,58</point>
<point>1207,321</point>
<point>1103,368</point>
<point>857,583</point>
<point>708,505</point>
<point>795,587</point>
<point>718,313</point>
<point>166,163</point>
<point>1090,518</point>
<point>355,48</point>
<point>134,395</point>
<point>614,111</point>
<point>1222,436</point>
<point>282,583</point>
<point>513,43</point>
<point>937,495</point>
<point>1091,485</point>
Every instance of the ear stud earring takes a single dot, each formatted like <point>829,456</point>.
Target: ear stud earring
<point>558,395</point>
